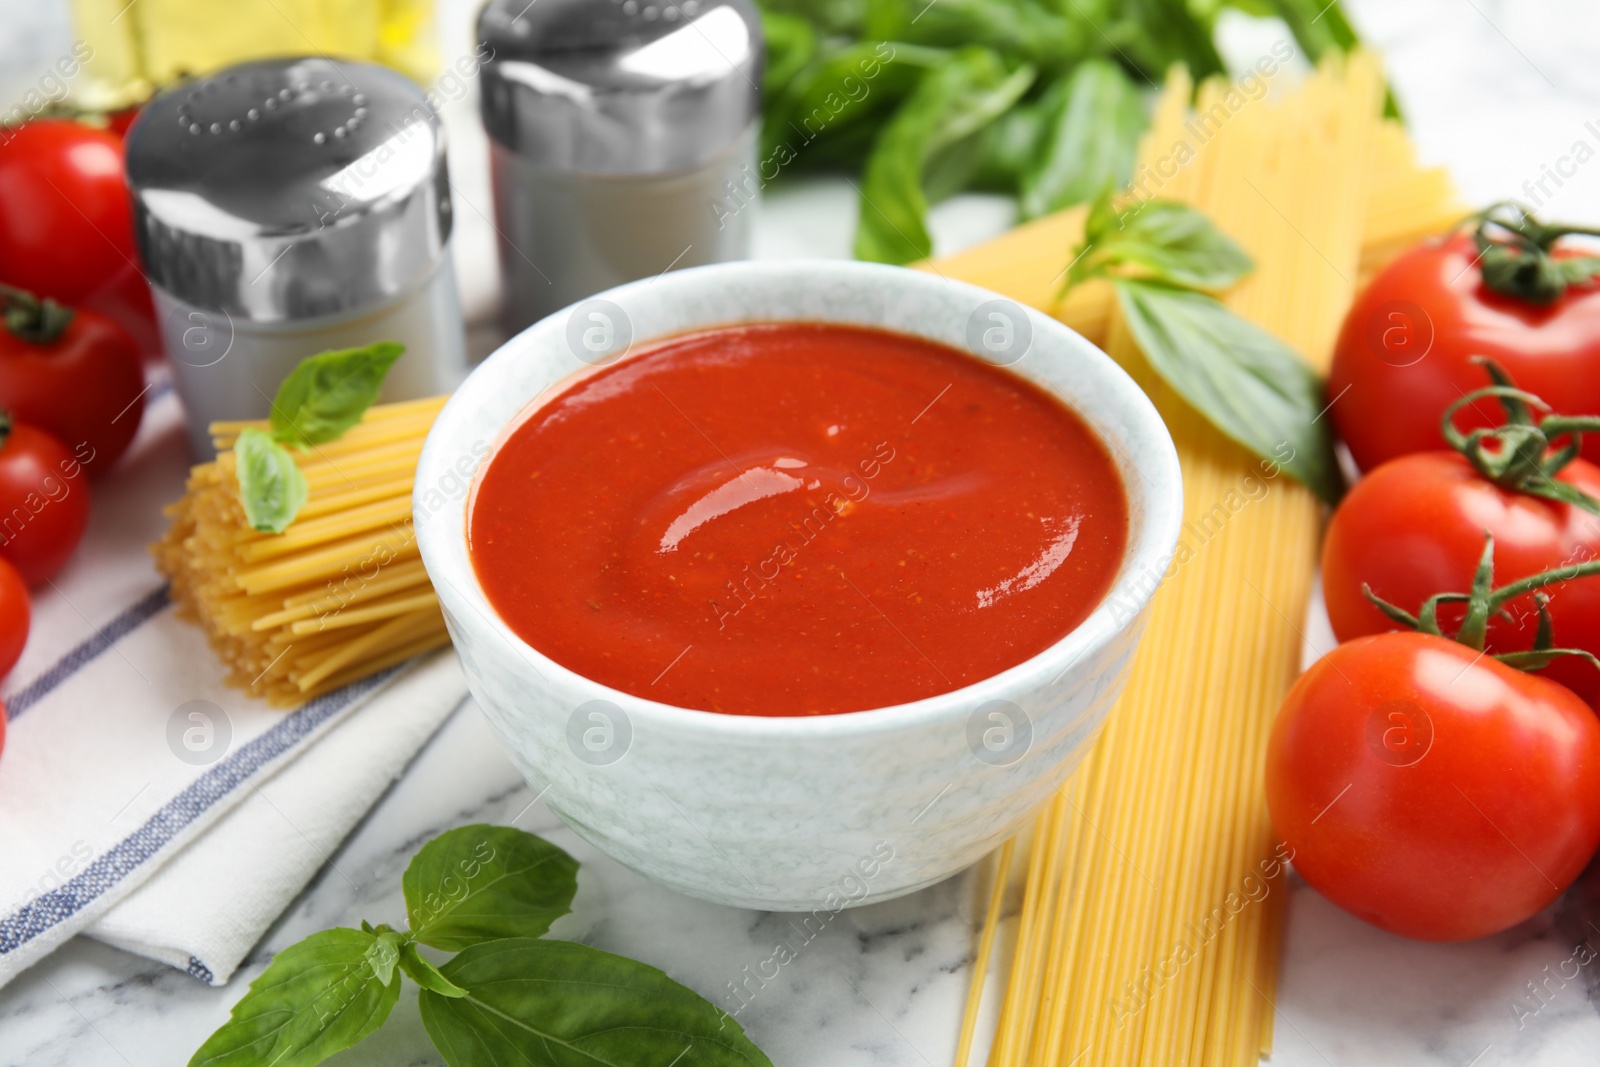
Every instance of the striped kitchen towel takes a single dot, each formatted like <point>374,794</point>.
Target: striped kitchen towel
<point>142,801</point>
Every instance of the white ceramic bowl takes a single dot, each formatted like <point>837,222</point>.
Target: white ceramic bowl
<point>797,814</point>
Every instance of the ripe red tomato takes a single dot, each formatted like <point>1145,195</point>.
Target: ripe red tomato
<point>15,615</point>
<point>1415,527</point>
<point>1403,353</point>
<point>85,387</point>
<point>66,225</point>
<point>1433,791</point>
<point>44,501</point>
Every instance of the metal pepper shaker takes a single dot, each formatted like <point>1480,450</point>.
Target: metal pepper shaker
<point>622,141</point>
<point>286,207</point>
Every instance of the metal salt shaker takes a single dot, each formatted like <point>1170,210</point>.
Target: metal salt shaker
<point>622,139</point>
<point>287,207</point>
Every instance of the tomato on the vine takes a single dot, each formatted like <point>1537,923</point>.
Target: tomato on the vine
<point>66,224</point>
<point>74,374</point>
<point>1404,352</point>
<point>15,616</point>
<point>1432,790</point>
<point>1415,526</point>
<point>44,501</point>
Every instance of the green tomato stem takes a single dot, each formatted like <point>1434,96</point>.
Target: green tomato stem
<point>1522,457</point>
<point>31,319</point>
<point>1484,602</point>
<point>1514,253</point>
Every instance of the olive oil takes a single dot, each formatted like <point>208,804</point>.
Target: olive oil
<point>143,46</point>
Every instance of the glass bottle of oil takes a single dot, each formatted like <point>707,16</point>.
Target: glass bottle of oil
<point>141,46</point>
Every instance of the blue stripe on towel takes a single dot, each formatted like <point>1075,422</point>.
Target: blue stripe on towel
<point>48,909</point>
<point>129,620</point>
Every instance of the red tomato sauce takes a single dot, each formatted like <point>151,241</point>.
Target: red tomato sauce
<point>797,519</point>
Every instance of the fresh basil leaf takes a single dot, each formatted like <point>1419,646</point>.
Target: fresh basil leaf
<point>476,883</point>
<point>1168,241</point>
<point>384,953</point>
<point>271,486</point>
<point>560,1004</point>
<point>830,16</point>
<point>954,101</point>
<point>1162,33</point>
<point>426,974</point>
<point>1024,30</point>
<point>328,393</point>
<point>839,100</point>
<point>1009,146</point>
<point>316,998</point>
<point>791,45</point>
<point>1095,117</point>
<point>1246,382</point>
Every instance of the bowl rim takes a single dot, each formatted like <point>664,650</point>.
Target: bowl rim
<point>1158,492</point>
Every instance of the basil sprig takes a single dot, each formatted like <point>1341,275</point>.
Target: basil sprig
<point>507,997</point>
<point>1164,259</point>
<point>322,397</point>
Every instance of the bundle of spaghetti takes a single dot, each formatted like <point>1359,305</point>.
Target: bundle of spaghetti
<point>341,593</point>
<point>1149,924</point>
<point>1405,203</point>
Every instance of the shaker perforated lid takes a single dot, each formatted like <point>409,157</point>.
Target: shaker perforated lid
<point>620,86</point>
<point>289,188</point>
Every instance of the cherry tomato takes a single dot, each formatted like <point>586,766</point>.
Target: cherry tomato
<point>1415,527</point>
<point>14,617</point>
<point>1431,790</point>
<point>66,225</point>
<point>85,387</point>
<point>44,501</point>
<point>1403,353</point>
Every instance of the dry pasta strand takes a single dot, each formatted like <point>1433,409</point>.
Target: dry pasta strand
<point>980,963</point>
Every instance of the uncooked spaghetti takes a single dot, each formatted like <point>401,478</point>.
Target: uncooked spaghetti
<point>337,596</point>
<point>1151,910</point>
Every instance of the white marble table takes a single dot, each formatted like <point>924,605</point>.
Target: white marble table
<point>1494,88</point>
